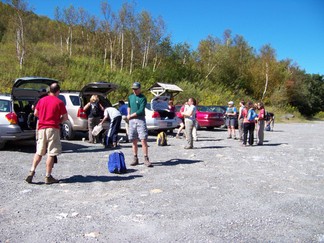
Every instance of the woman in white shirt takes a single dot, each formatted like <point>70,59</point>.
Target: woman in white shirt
<point>190,121</point>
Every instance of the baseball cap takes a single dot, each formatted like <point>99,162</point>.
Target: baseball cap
<point>136,85</point>
<point>231,103</point>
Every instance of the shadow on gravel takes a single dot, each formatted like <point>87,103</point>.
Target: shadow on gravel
<point>200,139</point>
<point>24,146</point>
<point>89,178</point>
<point>212,147</point>
<point>173,162</point>
<point>274,144</point>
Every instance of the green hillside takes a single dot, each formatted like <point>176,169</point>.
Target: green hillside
<point>124,46</point>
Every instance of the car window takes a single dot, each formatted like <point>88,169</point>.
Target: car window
<point>160,105</point>
<point>218,109</point>
<point>202,108</point>
<point>4,105</point>
<point>75,100</point>
<point>61,97</point>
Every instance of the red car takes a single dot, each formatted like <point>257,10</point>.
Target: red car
<point>208,116</point>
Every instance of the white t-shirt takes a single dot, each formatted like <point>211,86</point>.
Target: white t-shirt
<point>188,109</point>
<point>111,112</point>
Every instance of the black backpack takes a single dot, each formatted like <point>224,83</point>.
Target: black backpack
<point>95,112</point>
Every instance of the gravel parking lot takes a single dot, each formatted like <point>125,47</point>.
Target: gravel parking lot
<point>217,192</point>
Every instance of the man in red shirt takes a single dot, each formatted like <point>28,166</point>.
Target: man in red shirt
<point>51,112</point>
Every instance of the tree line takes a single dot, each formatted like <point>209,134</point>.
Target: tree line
<point>125,45</point>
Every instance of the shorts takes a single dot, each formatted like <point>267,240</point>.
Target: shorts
<point>49,141</point>
<point>231,122</point>
<point>137,129</point>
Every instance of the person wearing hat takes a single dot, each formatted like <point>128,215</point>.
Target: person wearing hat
<point>231,119</point>
<point>137,124</point>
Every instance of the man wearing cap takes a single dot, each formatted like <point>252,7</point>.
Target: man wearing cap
<point>137,124</point>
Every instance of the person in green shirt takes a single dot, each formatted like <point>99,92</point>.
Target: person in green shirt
<point>137,124</point>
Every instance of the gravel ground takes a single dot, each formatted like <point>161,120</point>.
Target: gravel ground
<point>217,192</point>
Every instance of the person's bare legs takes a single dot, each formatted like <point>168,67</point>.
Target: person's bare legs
<point>135,151</point>
<point>36,160</point>
<point>135,147</point>
<point>49,165</point>
<point>233,132</point>
<point>144,147</point>
<point>145,152</point>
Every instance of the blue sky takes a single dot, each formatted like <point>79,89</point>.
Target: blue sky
<point>294,28</point>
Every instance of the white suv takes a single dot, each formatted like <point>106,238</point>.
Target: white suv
<point>75,101</point>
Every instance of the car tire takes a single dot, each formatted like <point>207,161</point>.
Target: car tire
<point>67,131</point>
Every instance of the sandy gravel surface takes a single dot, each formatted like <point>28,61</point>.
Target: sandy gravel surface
<point>217,192</point>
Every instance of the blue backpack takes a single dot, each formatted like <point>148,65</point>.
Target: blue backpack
<point>116,163</point>
<point>252,115</point>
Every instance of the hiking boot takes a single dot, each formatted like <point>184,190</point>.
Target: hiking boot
<point>147,162</point>
<point>188,147</point>
<point>50,180</point>
<point>135,161</point>
<point>29,178</point>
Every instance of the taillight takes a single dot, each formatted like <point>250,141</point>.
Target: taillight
<point>12,118</point>
<point>82,114</point>
<point>155,114</point>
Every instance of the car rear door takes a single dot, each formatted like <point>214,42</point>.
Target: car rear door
<point>101,88</point>
<point>28,88</point>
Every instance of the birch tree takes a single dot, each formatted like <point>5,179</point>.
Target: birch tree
<point>145,28</point>
<point>107,26</point>
<point>127,24</point>
<point>70,18</point>
<point>20,7</point>
<point>58,18</point>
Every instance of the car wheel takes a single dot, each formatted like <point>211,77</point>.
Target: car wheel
<point>67,131</point>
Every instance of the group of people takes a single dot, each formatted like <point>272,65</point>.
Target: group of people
<point>247,118</point>
<point>51,112</point>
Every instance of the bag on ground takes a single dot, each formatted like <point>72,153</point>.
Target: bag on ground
<point>116,163</point>
<point>161,139</point>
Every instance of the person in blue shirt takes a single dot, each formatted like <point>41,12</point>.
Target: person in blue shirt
<point>123,110</point>
<point>231,119</point>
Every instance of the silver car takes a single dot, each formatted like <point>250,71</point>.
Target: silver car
<point>16,108</point>
<point>158,116</point>
<point>75,101</point>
